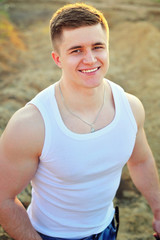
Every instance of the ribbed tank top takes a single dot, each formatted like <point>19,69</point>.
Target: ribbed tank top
<point>79,174</point>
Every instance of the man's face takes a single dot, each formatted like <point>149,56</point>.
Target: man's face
<point>83,55</point>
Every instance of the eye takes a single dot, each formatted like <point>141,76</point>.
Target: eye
<point>98,47</point>
<point>76,51</point>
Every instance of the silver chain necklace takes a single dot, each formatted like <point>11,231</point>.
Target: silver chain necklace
<point>72,113</point>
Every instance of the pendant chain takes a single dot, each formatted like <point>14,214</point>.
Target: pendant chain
<point>72,113</point>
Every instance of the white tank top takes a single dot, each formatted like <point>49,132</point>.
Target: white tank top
<point>78,174</point>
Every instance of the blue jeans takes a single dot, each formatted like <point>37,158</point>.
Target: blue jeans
<point>109,233</point>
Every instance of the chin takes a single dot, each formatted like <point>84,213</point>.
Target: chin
<point>93,83</point>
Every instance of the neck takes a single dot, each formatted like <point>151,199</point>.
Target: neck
<point>82,99</point>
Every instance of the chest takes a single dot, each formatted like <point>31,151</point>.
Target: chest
<point>89,120</point>
<point>76,160</point>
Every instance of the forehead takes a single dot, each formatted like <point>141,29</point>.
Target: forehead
<point>83,36</point>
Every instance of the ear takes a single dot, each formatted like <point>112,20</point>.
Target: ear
<point>56,59</point>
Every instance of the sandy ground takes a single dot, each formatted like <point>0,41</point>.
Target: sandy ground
<point>26,68</point>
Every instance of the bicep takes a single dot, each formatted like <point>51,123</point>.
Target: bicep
<point>15,173</point>
<point>18,157</point>
<point>141,151</point>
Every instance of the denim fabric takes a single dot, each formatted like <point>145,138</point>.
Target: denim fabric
<point>108,234</point>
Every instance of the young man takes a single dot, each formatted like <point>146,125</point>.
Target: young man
<point>72,140</point>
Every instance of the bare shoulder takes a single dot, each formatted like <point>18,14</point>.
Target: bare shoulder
<point>25,129</point>
<point>137,109</point>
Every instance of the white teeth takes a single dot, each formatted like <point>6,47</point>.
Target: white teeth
<point>89,70</point>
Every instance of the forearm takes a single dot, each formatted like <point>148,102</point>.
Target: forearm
<point>145,178</point>
<point>15,221</point>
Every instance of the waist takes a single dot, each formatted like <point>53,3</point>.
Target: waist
<point>110,232</point>
<point>62,223</point>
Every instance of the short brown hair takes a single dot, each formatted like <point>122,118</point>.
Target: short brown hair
<point>75,16</point>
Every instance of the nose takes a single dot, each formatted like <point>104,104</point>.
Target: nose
<point>89,58</point>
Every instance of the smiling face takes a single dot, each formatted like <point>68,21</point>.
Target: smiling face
<point>83,55</point>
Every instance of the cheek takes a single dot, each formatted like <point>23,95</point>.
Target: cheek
<point>71,60</point>
<point>105,56</point>
<point>69,66</point>
<point>74,60</point>
<point>105,59</point>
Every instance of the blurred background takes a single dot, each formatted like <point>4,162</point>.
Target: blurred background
<point>26,67</point>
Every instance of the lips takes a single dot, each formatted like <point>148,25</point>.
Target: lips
<point>89,70</point>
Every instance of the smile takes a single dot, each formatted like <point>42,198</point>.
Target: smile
<point>89,70</point>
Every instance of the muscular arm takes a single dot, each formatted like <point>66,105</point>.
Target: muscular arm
<point>20,147</point>
<point>142,166</point>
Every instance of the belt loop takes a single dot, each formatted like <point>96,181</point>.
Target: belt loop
<point>117,219</point>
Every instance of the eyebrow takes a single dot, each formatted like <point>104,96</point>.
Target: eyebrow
<point>99,43</point>
<point>79,46</point>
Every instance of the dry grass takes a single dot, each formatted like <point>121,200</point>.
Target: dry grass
<point>9,33</point>
<point>11,43</point>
